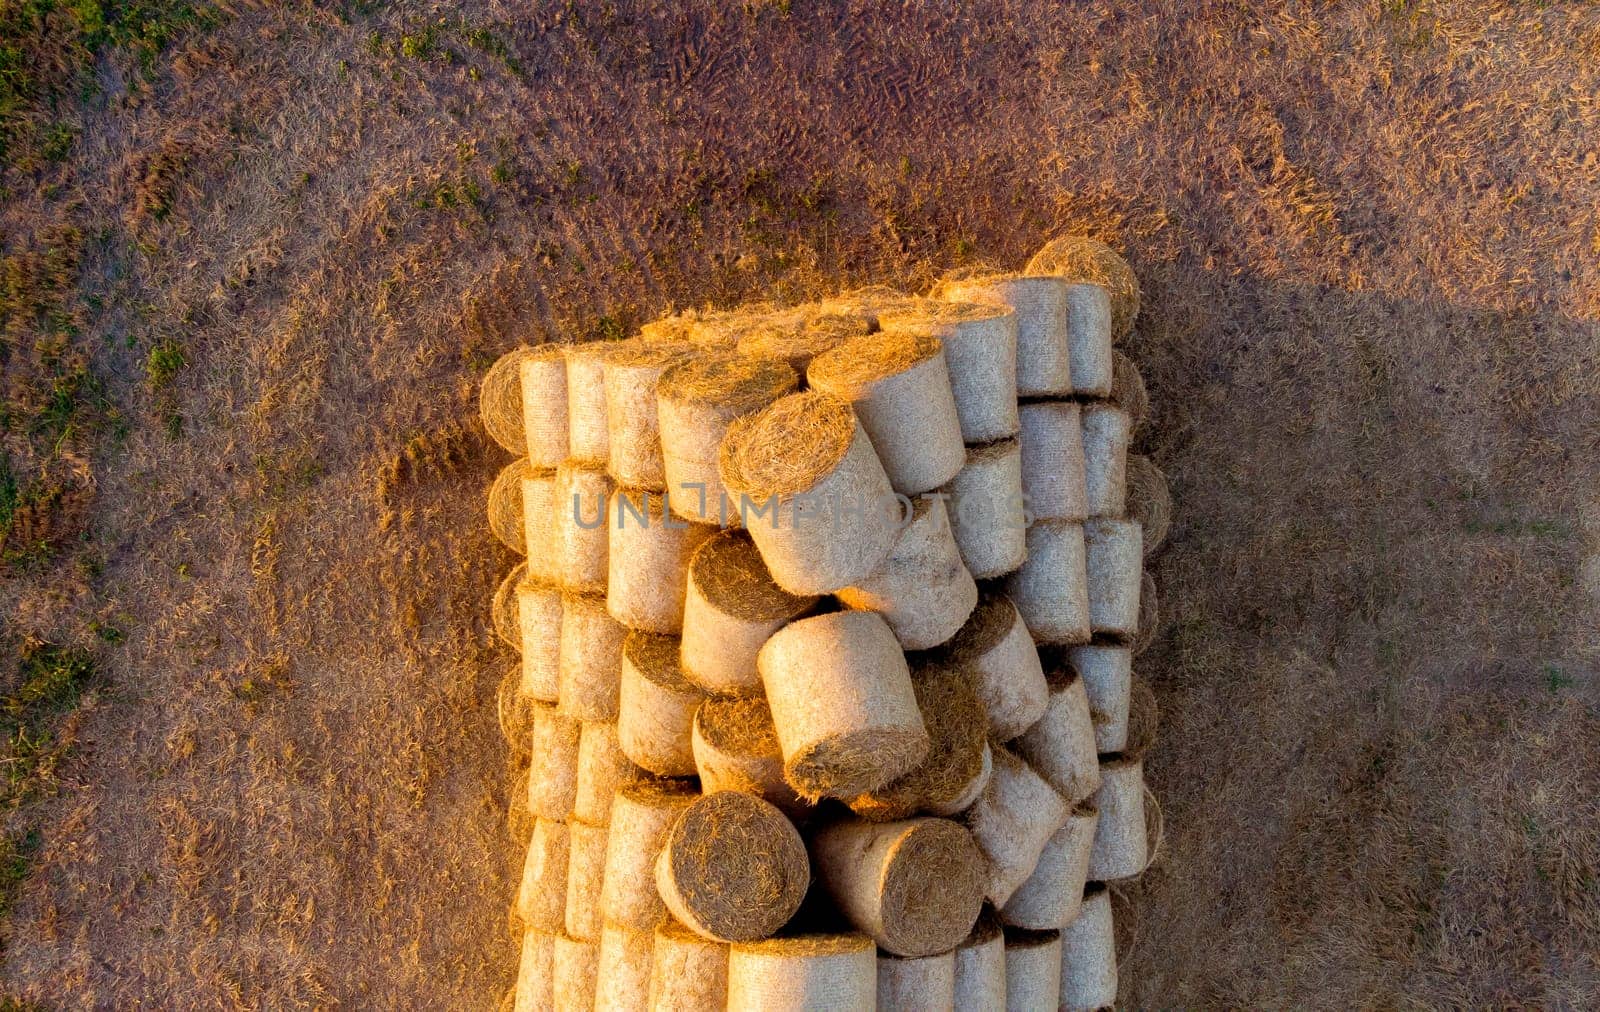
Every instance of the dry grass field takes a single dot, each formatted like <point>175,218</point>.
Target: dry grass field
<point>255,260</point>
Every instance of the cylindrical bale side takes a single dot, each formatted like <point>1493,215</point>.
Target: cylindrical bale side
<point>733,868</point>
<point>1061,746</point>
<point>1049,898</point>
<point>731,607</point>
<point>1121,849</point>
<point>657,706</point>
<point>1013,819</point>
<point>988,514</point>
<point>542,892</point>
<point>586,872</point>
<point>924,983</point>
<point>1051,590</point>
<point>588,438</point>
<point>623,971</point>
<point>1033,970</point>
<point>980,967</point>
<point>553,768</point>
<point>1107,673</point>
<point>641,816</point>
<point>649,561</point>
<point>1053,474</point>
<point>536,974</point>
<point>543,381</point>
<point>582,498</point>
<point>804,973</point>
<point>689,973</point>
<point>736,749</point>
<point>1089,954</point>
<point>1089,339</point>
<point>574,971</point>
<point>1106,433</point>
<point>980,349</point>
<point>602,769</point>
<point>590,667</point>
<point>539,632</point>
<point>1010,681</point>
<point>633,433</point>
<point>541,527</point>
<point>1114,565</point>
<point>1044,360</point>
<point>923,589</point>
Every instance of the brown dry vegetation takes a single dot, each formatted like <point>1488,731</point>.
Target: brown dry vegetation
<point>254,272</point>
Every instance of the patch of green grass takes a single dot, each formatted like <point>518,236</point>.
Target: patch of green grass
<point>50,684</point>
<point>1555,679</point>
<point>163,362</point>
<point>16,860</point>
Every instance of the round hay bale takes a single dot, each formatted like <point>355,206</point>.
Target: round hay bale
<point>1128,390</point>
<point>917,982</point>
<point>542,893</point>
<point>736,749</point>
<point>1053,475</point>
<point>633,432</point>
<point>582,498</point>
<point>673,328</point>
<point>988,514</point>
<point>1121,845</point>
<point>535,973</point>
<point>733,868</point>
<point>842,704</point>
<point>623,971</point>
<point>1050,897</point>
<point>1144,719</point>
<point>1106,433</point>
<point>538,613</point>
<point>1107,673</point>
<point>657,706</point>
<point>515,711</point>
<point>696,400</point>
<point>503,609</point>
<point>689,973</point>
<point>588,434</point>
<point>590,667</point>
<point>1149,501</point>
<point>952,775</point>
<point>575,967</point>
<point>1149,615</point>
<point>803,973</point>
<point>916,886</point>
<point>980,966</point>
<point>500,400</point>
<point>868,305</point>
<point>602,769</point>
<point>799,336</point>
<point>723,329</point>
<point>1089,339</point>
<point>649,561</point>
<point>1061,746</point>
<point>541,531</point>
<point>505,505</point>
<point>923,589</point>
<point>1051,590</point>
<point>995,646</point>
<point>1033,969</point>
<point>731,607</point>
<point>1114,563</point>
<point>899,387</point>
<point>553,768</point>
<point>980,350</point>
<point>1080,258</point>
<point>1044,359</point>
<point>641,816</point>
<point>1012,820</point>
<point>1089,954</point>
<point>586,872</point>
<point>543,381</point>
<point>806,460</point>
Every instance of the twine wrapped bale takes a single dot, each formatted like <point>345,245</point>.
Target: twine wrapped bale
<point>1080,258</point>
<point>1121,844</point>
<point>641,816</point>
<point>1044,360</point>
<point>1061,746</point>
<point>803,973</point>
<point>579,527</point>
<point>538,611</point>
<point>842,704</point>
<point>731,607</point>
<point>809,448</point>
<point>899,387</point>
<point>1107,674</point>
<point>553,769</point>
<point>542,894</point>
<point>505,505</point>
<point>541,527</point>
<point>1149,615</point>
<point>958,761</point>
<point>1033,969</point>
<point>602,769</point>
<point>1089,339</point>
<point>1114,563</point>
<point>631,373</point>
<point>916,886</point>
<point>1128,390</point>
<point>1010,681</point>
<point>923,589</point>
<point>987,511</point>
<point>736,749</point>
<point>1051,895</point>
<point>733,868</point>
<point>586,873</point>
<point>1106,434</point>
<point>657,706</point>
<point>917,982</point>
<point>688,973</point>
<point>575,966</point>
<point>980,350</point>
<point>1149,501</point>
<point>980,967</point>
<point>623,969</point>
<point>588,435</point>
<point>503,609</point>
<point>1012,820</point>
<point>1053,475</point>
<point>648,563</point>
<point>591,658</point>
<point>696,400</point>
<point>1089,955</point>
<point>543,394</point>
<point>1051,590</point>
<point>535,974</point>
<point>500,400</point>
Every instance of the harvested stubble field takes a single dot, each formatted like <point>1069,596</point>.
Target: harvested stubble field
<point>257,259</point>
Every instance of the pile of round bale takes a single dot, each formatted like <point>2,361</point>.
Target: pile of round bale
<point>826,629</point>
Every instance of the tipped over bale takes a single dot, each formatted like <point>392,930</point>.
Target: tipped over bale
<point>1011,822</point>
<point>731,607</point>
<point>1114,564</point>
<point>688,973</point>
<point>1051,590</point>
<point>1033,969</point>
<point>657,706</point>
<point>1121,846</point>
<point>1149,501</point>
<point>1053,475</point>
<point>500,400</point>
<point>842,704</point>
<point>1089,339</point>
<point>1044,359</point>
<point>988,513</point>
<point>995,647</point>
<point>917,982</point>
<point>579,530</point>
<point>648,561</point>
<point>590,667</point>
<point>505,505</point>
<point>633,434</point>
<point>980,967</point>
<point>538,612</point>
<point>980,349</point>
<point>603,768</point>
<point>811,491</point>
<point>1107,674</point>
<point>736,749</point>
<point>1061,746</point>
<point>958,761</point>
<point>641,816</point>
<point>1050,897</point>
<point>803,973</point>
<point>923,589</point>
<point>542,893</point>
<point>1106,434</point>
<point>543,381</point>
<point>1080,258</point>
<point>1089,955</point>
<point>733,868</point>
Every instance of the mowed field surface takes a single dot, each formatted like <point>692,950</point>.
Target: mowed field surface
<point>257,259</point>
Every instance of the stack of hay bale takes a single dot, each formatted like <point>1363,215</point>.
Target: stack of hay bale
<point>826,631</point>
